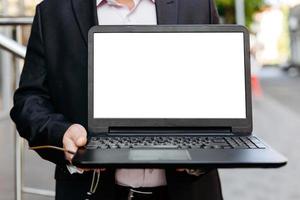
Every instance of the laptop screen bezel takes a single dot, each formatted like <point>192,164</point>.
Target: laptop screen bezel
<point>102,125</point>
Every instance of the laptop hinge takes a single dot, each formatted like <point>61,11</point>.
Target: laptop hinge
<point>170,130</point>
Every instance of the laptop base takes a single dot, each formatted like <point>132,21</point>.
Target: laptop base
<point>153,157</point>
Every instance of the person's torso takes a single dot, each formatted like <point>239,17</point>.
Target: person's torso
<point>64,27</point>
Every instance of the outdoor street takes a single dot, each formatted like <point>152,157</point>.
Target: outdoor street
<point>276,120</point>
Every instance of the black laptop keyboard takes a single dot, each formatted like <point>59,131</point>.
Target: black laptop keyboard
<point>175,142</point>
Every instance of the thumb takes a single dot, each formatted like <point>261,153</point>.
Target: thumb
<point>78,134</point>
<point>81,141</point>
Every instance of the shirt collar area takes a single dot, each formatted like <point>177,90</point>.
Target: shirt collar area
<point>101,2</point>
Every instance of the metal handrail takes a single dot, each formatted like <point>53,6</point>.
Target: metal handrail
<point>12,46</point>
<point>15,21</point>
<point>19,51</point>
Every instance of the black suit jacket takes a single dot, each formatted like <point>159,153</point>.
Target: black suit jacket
<point>53,89</point>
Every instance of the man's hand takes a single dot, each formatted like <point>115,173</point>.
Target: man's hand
<point>74,137</point>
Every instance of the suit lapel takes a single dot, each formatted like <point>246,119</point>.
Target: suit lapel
<point>86,16</point>
<point>166,11</point>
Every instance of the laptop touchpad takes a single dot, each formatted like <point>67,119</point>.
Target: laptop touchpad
<point>159,154</point>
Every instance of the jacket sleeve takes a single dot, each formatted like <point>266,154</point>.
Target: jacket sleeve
<point>214,15</point>
<point>33,112</point>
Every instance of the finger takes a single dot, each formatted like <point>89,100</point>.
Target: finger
<point>78,134</point>
<point>71,146</point>
<point>81,141</point>
<point>100,170</point>
<point>84,169</point>
<point>90,169</point>
<point>81,170</point>
<point>180,170</point>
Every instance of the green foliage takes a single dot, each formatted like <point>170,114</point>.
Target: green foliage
<point>227,9</point>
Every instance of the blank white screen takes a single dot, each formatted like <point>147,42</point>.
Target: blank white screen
<point>169,75</point>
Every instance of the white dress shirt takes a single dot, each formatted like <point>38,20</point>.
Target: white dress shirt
<point>110,12</point>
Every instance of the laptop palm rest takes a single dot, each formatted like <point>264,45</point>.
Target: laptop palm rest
<point>158,154</point>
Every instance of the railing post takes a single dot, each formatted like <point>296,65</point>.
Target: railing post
<point>6,73</point>
<point>18,166</point>
<point>19,141</point>
<point>240,12</point>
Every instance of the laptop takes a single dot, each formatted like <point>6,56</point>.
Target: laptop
<point>171,96</point>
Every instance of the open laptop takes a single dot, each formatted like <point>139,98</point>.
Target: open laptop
<point>171,96</point>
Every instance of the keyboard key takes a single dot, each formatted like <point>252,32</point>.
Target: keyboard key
<point>248,142</point>
<point>257,143</point>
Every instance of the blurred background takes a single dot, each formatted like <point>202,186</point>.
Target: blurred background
<point>275,57</point>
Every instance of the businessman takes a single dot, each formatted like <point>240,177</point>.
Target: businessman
<point>50,106</point>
